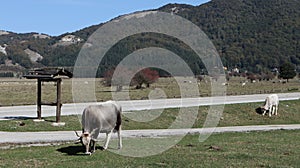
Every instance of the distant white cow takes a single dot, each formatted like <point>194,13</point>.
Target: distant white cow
<point>271,105</point>
<point>104,118</point>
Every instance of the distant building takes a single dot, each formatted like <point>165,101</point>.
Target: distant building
<point>70,38</point>
<point>2,32</point>
<point>41,36</point>
<point>275,70</point>
<point>236,70</point>
<point>3,49</point>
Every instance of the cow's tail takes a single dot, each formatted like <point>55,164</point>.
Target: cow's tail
<point>119,120</point>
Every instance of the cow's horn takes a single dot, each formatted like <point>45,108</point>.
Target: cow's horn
<point>77,133</point>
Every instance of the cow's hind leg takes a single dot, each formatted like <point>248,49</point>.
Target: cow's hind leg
<point>273,110</point>
<point>276,109</point>
<point>108,136</point>
<point>120,138</point>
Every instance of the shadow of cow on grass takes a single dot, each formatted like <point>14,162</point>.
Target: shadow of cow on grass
<point>71,150</point>
<point>76,150</point>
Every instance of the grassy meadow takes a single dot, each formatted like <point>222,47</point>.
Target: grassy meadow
<point>23,91</point>
<point>233,115</point>
<point>252,149</point>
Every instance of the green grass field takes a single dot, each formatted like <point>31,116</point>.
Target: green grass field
<point>233,115</point>
<point>254,149</point>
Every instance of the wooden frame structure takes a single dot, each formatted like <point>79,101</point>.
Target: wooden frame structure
<point>49,75</point>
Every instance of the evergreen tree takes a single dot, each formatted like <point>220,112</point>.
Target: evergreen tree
<point>287,71</point>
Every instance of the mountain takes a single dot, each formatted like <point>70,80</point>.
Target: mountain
<point>252,35</point>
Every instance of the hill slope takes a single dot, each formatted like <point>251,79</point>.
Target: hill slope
<point>253,35</point>
<point>250,34</point>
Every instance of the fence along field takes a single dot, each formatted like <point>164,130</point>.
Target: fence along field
<point>23,91</point>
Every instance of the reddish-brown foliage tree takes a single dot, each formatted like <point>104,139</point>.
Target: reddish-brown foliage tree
<point>119,80</point>
<point>146,76</point>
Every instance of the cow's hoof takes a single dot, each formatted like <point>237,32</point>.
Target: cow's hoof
<point>88,153</point>
<point>104,147</point>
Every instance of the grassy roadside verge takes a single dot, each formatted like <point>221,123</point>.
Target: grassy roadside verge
<point>233,115</point>
<point>255,149</point>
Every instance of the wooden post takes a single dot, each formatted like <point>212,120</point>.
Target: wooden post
<point>58,100</point>
<point>39,99</point>
<point>49,75</point>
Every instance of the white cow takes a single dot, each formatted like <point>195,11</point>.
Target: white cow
<point>104,118</point>
<point>271,105</point>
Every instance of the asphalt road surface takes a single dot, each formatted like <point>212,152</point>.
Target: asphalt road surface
<point>45,138</point>
<point>8,138</point>
<point>136,105</point>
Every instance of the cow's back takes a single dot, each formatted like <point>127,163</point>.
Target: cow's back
<point>273,98</point>
<point>104,117</point>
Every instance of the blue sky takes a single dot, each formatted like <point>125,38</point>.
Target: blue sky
<point>55,17</point>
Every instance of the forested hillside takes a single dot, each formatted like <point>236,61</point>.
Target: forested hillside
<point>250,34</point>
<point>253,35</point>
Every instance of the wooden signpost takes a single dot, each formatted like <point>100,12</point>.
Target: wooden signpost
<point>49,75</point>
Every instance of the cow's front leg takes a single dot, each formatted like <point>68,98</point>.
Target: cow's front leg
<point>93,146</point>
<point>108,136</point>
<point>264,112</point>
<point>270,111</point>
<point>87,148</point>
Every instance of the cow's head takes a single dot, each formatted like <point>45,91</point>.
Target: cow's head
<point>263,108</point>
<point>84,138</point>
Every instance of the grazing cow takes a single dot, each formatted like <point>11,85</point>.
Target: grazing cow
<point>271,105</point>
<point>104,118</point>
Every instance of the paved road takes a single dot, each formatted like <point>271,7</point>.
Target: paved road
<point>68,109</point>
<point>135,105</point>
<point>8,138</point>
